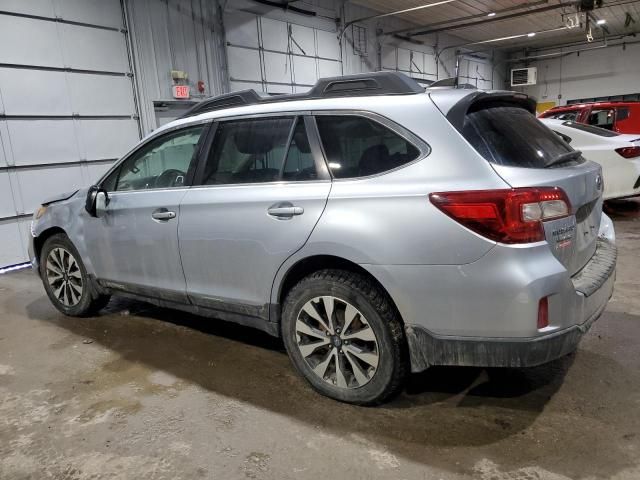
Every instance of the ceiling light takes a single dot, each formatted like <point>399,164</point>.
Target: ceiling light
<point>602,21</point>
<point>532,34</point>
<point>491,14</point>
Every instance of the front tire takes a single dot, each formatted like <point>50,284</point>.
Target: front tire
<point>345,337</point>
<point>65,279</point>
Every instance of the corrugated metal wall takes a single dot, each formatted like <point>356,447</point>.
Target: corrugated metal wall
<point>174,35</point>
<point>67,108</point>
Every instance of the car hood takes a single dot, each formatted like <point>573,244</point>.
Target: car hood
<point>60,197</point>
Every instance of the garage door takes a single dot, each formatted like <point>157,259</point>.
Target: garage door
<point>67,108</point>
<point>416,64</point>
<point>278,57</point>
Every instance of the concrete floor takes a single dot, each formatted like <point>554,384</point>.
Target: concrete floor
<point>145,393</point>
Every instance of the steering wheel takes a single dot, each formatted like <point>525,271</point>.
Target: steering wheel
<point>168,178</point>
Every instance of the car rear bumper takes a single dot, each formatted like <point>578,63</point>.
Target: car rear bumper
<point>593,287</point>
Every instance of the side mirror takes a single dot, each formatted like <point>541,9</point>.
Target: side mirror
<point>97,201</point>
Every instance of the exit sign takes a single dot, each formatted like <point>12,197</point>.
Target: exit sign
<point>181,91</point>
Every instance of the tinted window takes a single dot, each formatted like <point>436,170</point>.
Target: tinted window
<point>357,147</point>
<point>162,163</point>
<point>591,129</point>
<point>622,113</point>
<point>602,118</point>
<point>300,164</point>
<point>514,137</point>
<point>248,151</point>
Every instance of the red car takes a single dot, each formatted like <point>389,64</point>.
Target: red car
<point>621,117</point>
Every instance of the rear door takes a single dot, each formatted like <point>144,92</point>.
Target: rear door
<point>262,190</point>
<point>525,153</point>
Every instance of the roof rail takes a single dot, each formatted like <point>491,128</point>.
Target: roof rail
<point>363,84</point>
<point>451,82</point>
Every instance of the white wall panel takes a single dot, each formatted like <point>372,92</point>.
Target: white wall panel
<point>244,64</point>
<point>107,138</point>
<point>34,92</point>
<point>274,34</point>
<point>304,38</point>
<point>42,8</point>
<point>13,248</point>
<point>60,143</point>
<point>37,184</point>
<point>273,88</point>
<point>7,207</point>
<point>389,57</point>
<point>101,94</point>
<point>29,41</point>
<point>328,68</point>
<point>404,63</point>
<point>94,49</point>
<point>95,12</point>
<point>328,46</point>
<point>277,68</point>
<point>95,171</point>
<point>305,70</point>
<point>241,28</point>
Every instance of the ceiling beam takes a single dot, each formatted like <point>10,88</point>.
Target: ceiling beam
<point>469,17</point>
<point>534,11</point>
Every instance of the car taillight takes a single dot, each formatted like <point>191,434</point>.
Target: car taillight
<point>507,216</point>
<point>543,313</point>
<point>628,152</point>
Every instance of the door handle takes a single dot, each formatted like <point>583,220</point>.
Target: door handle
<point>285,211</point>
<point>163,214</point>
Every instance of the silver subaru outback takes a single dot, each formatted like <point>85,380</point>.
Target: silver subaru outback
<point>377,227</point>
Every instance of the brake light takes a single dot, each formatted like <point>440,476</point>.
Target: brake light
<point>507,216</point>
<point>628,152</point>
<point>543,313</point>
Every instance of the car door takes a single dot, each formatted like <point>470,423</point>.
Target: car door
<point>262,190</point>
<point>133,245</point>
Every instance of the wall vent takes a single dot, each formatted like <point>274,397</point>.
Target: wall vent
<point>524,76</point>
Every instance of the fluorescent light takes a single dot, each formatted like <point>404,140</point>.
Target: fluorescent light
<point>602,21</point>
<point>532,34</point>
<point>491,14</point>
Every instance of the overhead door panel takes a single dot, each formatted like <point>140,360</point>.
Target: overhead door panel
<point>13,250</point>
<point>37,184</point>
<point>42,8</point>
<point>34,92</point>
<point>39,44</point>
<point>61,145</point>
<point>101,95</point>
<point>305,70</point>
<point>244,64</point>
<point>94,49</point>
<point>327,68</point>
<point>328,46</point>
<point>107,138</point>
<point>274,34</point>
<point>303,40</point>
<point>277,67</point>
<point>7,208</point>
<point>241,28</point>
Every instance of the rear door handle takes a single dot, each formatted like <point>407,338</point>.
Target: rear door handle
<point>163,214</point>
<point>285,211</point>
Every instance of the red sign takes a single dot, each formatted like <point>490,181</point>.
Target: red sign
<point>181,91</point>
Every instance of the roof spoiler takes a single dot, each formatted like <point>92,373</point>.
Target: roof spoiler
<point>480,100</point>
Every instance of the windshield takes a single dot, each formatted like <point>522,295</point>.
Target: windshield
<point>512,136</point>
<point>591,129</point>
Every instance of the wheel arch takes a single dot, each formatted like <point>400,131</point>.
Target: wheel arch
<point>38,242</point>
<point>308,265</point>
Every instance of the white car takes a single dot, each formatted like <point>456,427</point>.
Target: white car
<point>619,154</point>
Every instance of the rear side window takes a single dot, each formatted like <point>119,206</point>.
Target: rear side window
<point>571,115</point>
<point>357,146</point>
<point>512,136</point>
<point>602,118</point>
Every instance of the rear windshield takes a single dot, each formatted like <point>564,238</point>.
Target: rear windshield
<point>591,129</point>
<point>512,136</point>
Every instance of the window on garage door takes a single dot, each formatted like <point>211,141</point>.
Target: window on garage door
<point>357,146</point>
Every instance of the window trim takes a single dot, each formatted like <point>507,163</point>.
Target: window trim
<point>189,177</point>
<point>321,167</point>
<point>423,147</point>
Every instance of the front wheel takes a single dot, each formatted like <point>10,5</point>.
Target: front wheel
<point>65,279</point>
<point>345,337</point>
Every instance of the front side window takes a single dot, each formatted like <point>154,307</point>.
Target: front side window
<point>162,163</point>
<point>357,146</point>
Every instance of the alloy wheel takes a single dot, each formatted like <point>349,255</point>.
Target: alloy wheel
<point>64,277</point>
<point>337,342</point>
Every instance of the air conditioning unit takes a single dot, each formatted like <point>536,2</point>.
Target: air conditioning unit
<point>524,76</point>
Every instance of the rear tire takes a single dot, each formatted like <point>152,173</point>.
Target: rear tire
<point>65,279</point>
<point>345,337</point>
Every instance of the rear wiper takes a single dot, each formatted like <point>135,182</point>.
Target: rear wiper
<point>564,158</point>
